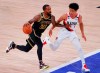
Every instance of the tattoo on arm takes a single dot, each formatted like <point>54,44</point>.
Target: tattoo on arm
<point>36,18</point>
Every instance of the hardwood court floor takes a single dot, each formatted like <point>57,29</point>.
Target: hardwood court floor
<point>14,13</point>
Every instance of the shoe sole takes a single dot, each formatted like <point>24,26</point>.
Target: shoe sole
<point>44,68</point>
<point>7,49</point>
<point>83,71</point>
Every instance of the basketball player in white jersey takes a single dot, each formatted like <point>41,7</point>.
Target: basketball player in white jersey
<point>70,20</point>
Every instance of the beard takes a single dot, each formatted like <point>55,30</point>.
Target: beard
<point>49,14</point>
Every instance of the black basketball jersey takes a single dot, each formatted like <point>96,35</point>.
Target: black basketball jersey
<point>42,24</point>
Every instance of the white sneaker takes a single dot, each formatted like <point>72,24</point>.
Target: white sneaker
<point>85,69</point>
<point>46,41</point>
<point>10,47</point>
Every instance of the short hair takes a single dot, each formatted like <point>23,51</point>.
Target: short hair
<point>44,6</point>
<point>74,6</point>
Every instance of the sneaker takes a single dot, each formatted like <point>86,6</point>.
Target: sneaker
<point>46,41</point>
<point>98,7</point>
<point>85,69</point>
<point>10,47</point>
<point>43,66</point>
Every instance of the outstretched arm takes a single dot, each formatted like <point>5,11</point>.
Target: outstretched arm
<point>63,18</point>
<point>53,25</point>
<point>82,27</point>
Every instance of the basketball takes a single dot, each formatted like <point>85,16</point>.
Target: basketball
<point>27,29</point>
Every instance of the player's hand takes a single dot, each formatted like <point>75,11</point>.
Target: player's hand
<point>68,27</point>
<point>26,24</point>
<point>84,37</point>
<point>50,33</point>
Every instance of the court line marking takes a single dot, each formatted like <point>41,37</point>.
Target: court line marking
<point>70,62</point>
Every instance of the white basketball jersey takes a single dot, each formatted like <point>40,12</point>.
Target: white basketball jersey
<point>73,22</point>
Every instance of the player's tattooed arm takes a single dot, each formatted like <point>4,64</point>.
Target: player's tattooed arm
<point>35,18</point>
<point>82,27</point>
<point>53,22</point>
<point>53,25</point>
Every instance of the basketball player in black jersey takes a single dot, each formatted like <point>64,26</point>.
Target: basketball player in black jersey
<point>39,24</point>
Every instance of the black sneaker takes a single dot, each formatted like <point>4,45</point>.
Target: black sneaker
<point>98,7</point>
<point>10,47</point>
<point>43,66</point>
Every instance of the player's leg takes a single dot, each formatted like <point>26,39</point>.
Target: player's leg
<point>64,33</point>
<point>38,42</point>
<point>25,48</point>
<point>76,43</point>
<point>39,53</point>
<point>54,46</point>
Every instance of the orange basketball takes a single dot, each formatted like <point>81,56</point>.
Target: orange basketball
<point>27,29</point>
